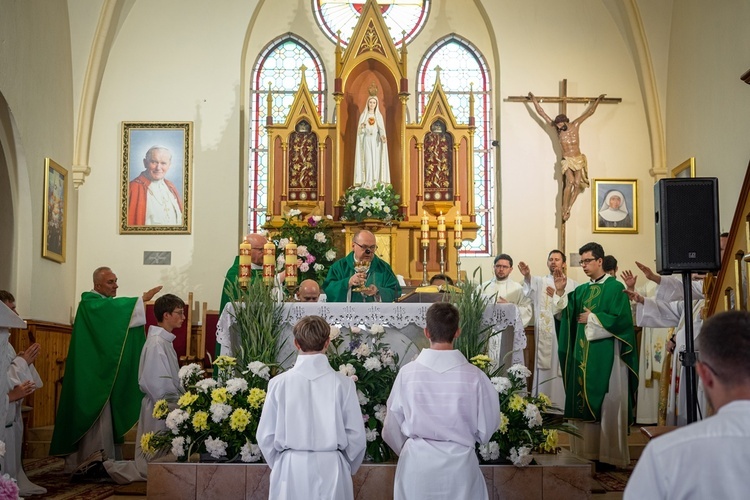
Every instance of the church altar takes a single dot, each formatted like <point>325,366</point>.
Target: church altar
<point>403,324</point>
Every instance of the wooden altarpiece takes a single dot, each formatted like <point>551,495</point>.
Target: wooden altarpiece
<point>430,162</point>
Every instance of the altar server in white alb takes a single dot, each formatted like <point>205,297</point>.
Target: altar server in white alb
<point>440,406</point>
<point>504,290</point>
<point>541,290</point>
<point>707,459</point>
<point>311,430</point>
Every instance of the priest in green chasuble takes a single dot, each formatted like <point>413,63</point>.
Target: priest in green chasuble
<point>100,399</point>
<point>381,285</point>
<point>598,359</point>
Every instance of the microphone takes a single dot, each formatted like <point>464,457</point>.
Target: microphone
<point>368,251</point>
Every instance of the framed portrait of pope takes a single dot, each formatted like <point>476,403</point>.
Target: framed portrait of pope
<point>615,205</point>
<point>155,181</point>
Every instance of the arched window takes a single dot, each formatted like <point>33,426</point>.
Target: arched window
<point>278,64</point>
<point>404,18</point>
<point>461,65</point>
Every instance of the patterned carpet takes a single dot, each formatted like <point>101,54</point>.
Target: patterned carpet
<point>616,479</point>
<point>48,472</point>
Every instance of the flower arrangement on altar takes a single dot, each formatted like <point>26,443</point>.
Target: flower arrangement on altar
<point>213,417</point>
<point>380,202</point>
<point>362,355</point>
<point>314,239</point>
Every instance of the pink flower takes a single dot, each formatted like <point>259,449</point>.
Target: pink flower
<point>304,267</point>
<point>311,221</point>
<point>354,378</point>
<point>8,487</point>
<point>310,258</point>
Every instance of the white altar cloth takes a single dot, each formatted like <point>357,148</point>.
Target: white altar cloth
<point>403,324</point>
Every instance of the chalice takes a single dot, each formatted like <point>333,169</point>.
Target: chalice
<point>361,266</point>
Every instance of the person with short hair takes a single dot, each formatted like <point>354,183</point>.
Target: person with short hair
<point>153,200</point>
<point>599,360</point>
<point>609,264</point>
<point>441,280</point>
<point>380,282</point>
<point>308,291</point>
<point>506,291</point>
<point>440,406</point>
<point>311,431</point>
<point>685,462</point>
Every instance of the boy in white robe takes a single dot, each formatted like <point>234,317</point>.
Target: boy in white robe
<point>440,406</point>
<point>311,431</point>
<point>158,378</point>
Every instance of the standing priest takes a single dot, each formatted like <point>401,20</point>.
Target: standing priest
<point>380,282</point>
<point>599,361</point>
<point>100,399</point>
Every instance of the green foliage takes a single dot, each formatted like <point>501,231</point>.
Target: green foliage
<point>380,202</point>
<point>314,238</point>
<point>471,304</point>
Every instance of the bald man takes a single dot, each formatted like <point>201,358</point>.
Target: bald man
<point>309,291</point>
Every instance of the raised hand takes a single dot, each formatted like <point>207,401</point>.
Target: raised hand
<point>148,295</point>
<point>650,275</point>
<point>525,270</point>
<point>560,281</point>
<point>629,278</point>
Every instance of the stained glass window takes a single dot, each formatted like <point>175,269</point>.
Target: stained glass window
<point>278,64</point>
<point>404,18</point>
<point>462,67</point>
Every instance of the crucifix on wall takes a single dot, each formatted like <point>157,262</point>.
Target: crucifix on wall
<point>574,167</point>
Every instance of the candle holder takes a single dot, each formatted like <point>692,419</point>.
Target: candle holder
<point>457,244</point>
<point>291,291</point>
<point>424,265</point>
<point>442,256</point>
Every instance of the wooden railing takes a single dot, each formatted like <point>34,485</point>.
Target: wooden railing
<point>729,291</point>
<point>55,340</point>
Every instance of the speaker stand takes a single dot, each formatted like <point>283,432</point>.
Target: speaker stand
<point>689,357</point>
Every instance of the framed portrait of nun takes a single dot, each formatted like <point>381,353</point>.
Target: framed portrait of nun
<point>615,205</point>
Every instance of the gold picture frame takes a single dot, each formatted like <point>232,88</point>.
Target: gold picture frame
<point>54,225</point>
<point>156,168</point>
<point>610,215</point>
<point>686,169</point>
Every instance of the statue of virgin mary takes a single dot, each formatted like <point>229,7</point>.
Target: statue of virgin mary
<point>371,154</point>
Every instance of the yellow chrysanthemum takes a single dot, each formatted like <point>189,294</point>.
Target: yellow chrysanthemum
<point>256,398</point>
<point>480,361</point>
<point>517,403</point>
<point>187,399</point>
<point>146,445</point>
<point>504,421</point>
<point>200,421</point>
<point>239,419</point>
<point>544,399</point>
<point>550,444</point>
<point>224,361</point>
<point>161,409</point>
<point>219,395</point>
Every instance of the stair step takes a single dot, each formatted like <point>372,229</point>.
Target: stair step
<point>38,440</point>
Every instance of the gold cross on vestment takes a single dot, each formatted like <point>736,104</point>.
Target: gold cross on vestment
<point>564,99</point>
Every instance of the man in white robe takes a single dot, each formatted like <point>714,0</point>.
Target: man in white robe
<point>311,431</point>
<point>684,462</point>
<point>23,379</point>
<point>440,406</point>
<point>547,377</point>
<point>506,291</point>
<point>158,378</point>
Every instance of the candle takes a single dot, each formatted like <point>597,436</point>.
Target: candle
<point>458,229</point>
<point>269,262</point>
<point>290,261</point>
<point>245,262</point>
<point>441,229</point>
<point>425,229</point>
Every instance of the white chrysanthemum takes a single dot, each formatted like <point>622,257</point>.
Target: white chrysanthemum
<point>320,237</point>
<point>363,400</point>
<point>362,351</point>
<point>219,411</point>
<point>178,446</point>
<point>294,212</point>
<point>502,384</point>
<point>235,385</point>
<point>335,332</point>
<point>259,369</point>
<point>371,434</point>
<point>302,251</point>
<point>377,328</point>
<point>318,267</point>
<point>189,370</point>
<point>532,415</point>
<point>387,358</point>
<point>216,447</point>
<point>380,412</point>
<point>347,369</point>
<point>521,457</point>
<point>519,371</point>
<point>175,419</point>
<point>250,453</point>
<point>206,385</point>
<point>490,451</point>
<point>373,364</point>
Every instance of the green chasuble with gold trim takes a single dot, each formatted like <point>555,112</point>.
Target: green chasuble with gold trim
<point>586,365</point>
<point>102,365</point>
<point>336,284</point>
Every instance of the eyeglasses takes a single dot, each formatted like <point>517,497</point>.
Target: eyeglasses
<point>587,261</point>
<point>371,248</point>
<point>179,312</point>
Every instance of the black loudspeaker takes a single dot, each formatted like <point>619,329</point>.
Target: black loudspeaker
<point>687,225</point>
